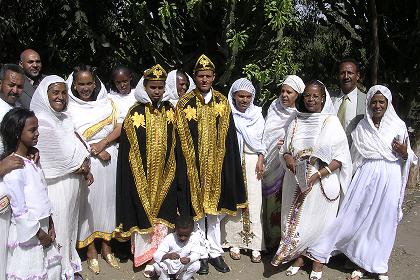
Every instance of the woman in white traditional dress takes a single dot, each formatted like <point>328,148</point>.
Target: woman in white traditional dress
<point>366,224</point>
<point>32,250</point>
<point>122,90</point>
<point>65,162</point>
<point>177,84</point>
<point>95,116</point>
<point>317,158</point>
<point>245,231</point>
<point>282,110</point>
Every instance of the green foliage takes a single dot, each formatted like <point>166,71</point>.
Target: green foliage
<point>264,40</point>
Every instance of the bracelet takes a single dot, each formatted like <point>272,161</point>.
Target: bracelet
<point>328,169</point>
<point>319,174</point>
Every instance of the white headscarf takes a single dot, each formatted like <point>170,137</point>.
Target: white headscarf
<point>276,122</point>
<point>141,95</point>
<point>250,124</point>
<point>60,149</point>
<point>171,86</point>
<point>372,143</point>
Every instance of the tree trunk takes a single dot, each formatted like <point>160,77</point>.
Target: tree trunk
<point>414,178</point>
<point>375,41</point>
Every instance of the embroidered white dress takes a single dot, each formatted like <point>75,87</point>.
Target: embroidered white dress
<point>314,137</point>
<point>93,121</point>
<point>31,208</point>
<point>245,230</point>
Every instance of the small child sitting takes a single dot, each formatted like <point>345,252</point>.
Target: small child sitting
<point>178,255</point>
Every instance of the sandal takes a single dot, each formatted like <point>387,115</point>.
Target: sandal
<point>111,260</point>
<point>93,265</point>
<point>315,275</point>
<point>356,275</point>
<point>234,253</point>
<point>149,271</point>
<point>255,257</point>
<point>275,261</point>
<point>383,277</point>
<point>292,270</point>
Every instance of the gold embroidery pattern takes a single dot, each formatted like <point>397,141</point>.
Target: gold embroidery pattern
<point>91,131</point>
<point>246,233</point>
<point>158,73</point>
<point>290,237</point>
<point>138,120</point>
<point>205,190</point>
<point>97,234</point>
<point>153,186</point>
<point>170,116</point>
<point>190,113</point>
<point>220,108</point>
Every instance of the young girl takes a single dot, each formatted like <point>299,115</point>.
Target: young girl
<point>32,253</point>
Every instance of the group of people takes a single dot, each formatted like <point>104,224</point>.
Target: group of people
<point>183,172</point>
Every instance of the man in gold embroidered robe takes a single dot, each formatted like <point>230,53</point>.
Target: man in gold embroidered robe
<point>211,172</point>
<point>146,185</point>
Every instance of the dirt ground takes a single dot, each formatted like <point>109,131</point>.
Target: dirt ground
<point>404,263</point>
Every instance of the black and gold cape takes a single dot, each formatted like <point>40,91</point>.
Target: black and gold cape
<point>146,184</point>
<point>210,167</point>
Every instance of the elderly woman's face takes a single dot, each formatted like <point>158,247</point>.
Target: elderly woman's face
<point>242,100</point>
<point>181,84</point>
<point>288,96</point>
<point>378,105</point>
<point>313,99</point>
<point>57,96</point>
<point>84,85</point>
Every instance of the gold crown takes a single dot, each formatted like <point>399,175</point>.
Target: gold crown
<point>155,73</point>
<point>204,63</point>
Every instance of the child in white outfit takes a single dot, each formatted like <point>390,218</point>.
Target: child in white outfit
<point>178,256</point>
<point>32,252</point>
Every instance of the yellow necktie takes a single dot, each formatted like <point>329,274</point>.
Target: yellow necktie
<point>342,111</point>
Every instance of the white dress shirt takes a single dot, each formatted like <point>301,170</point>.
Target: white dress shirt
<point>207,96</point>
<point>351,106</point>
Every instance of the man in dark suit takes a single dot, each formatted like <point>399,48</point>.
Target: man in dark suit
<point>31,63</point>
<point>350,102</point>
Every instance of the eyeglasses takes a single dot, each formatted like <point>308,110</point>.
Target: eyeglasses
<point>314,97</point>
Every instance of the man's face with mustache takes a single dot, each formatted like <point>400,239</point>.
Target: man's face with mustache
<point>11,87</point>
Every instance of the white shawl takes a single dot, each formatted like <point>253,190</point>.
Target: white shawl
<point>171,86</point>
<point>323,132</point>
<point>276,122</point>
<point>372,143</point>
<point>250,124</point>
<point>141,95</point>
<point>60,149</point>
<point>124,102</point>
<point>85,114</point>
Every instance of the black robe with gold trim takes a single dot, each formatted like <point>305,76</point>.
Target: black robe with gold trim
<point>146,176</point>
<point>209,167</point>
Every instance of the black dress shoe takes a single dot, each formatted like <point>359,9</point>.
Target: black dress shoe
<point>219,264</point>
<point>204,267</point>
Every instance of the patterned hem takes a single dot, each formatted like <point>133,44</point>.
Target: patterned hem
<point>10,276</point>
<point>97,234</point>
